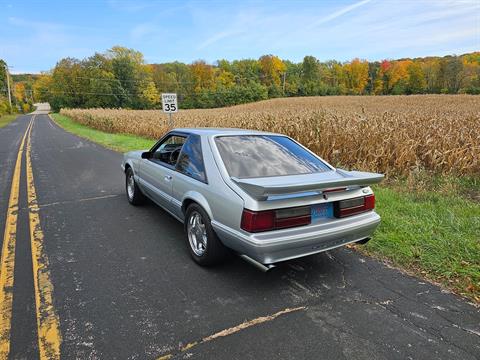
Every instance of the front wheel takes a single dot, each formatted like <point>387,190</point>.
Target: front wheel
<point>204,245</point>
<point>134,194</point>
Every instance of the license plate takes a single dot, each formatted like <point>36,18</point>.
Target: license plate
<point>321,211</point>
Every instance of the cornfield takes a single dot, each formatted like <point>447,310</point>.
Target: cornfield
<point>392,134</point>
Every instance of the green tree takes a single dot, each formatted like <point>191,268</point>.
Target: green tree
<point>129,69</point>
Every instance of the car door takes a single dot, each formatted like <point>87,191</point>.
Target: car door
<point>157,172</point>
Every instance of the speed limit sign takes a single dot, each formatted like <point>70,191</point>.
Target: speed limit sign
<point>169,103</point>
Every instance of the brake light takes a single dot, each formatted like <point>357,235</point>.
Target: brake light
<point>370,202</point>
<point>354,206</point>
<point>257,221</point>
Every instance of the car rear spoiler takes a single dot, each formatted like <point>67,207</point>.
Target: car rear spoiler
<point>263,187</point>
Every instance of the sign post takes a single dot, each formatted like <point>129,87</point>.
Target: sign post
<point>169,106</point>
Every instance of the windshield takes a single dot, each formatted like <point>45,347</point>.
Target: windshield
<point>248,156</point>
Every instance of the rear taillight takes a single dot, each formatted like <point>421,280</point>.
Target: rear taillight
<point>257,221</point>
<point>370,202</point>
<point>354,206</point>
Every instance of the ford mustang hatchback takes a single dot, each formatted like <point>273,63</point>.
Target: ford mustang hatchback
<point>261,194</point>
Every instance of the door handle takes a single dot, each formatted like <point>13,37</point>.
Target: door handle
<point>168,177</point>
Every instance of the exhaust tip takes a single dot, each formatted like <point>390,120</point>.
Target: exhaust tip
<point>258,265</point>
<point>363,241</point>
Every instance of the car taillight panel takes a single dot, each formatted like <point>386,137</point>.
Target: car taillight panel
<point>267,220</point>
<point>354,206</point>
<point>257,221</point>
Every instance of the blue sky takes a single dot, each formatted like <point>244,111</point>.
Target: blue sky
<point>35,34</point>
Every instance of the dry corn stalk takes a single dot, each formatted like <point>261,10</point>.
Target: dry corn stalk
<point>391,134</point>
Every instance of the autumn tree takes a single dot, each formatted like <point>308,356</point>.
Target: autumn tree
<point>41,88</point>
<point>471,69</point>
<point>19,92</point>
<point>272,71</point>
<point>416,79</point>
<point>356,73</point>
<point>203,76</point>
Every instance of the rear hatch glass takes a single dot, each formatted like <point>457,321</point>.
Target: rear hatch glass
<point>250,156</point>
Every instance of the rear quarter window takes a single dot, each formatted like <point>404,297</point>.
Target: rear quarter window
<point>190,160</point>
<point>248,156</point>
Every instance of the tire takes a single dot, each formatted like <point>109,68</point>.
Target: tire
<point>209,250</point>
<point>134,194</point>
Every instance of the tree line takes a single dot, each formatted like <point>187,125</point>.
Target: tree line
<point>120,78</point>
<point>21,91</point>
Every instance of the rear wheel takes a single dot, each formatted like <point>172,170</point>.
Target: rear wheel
<point>134,194</point>
<point>204,245</point>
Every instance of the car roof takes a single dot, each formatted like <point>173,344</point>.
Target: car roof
<point>222,131</point>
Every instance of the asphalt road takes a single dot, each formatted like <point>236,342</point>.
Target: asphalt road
<point>124,286</point>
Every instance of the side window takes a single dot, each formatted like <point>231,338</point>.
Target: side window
<point>190,161</point>
<point>169,150</point>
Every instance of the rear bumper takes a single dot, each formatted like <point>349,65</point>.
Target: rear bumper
<point>274,246</point>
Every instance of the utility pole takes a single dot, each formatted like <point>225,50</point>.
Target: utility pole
<point>284,76</point>
<point>8,86</point>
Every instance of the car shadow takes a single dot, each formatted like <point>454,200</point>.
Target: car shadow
<point>316,272</point>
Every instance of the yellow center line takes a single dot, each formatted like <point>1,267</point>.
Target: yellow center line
<point>48,324</point>
<point>7,265</point>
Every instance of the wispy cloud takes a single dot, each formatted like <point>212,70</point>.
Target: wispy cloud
<point>131,6</point>
<point>219,36</point>
<point>21,22</point>
<point>42,41</point>
<point>338,13</point>
<point>37,37</point>
<point>269,28</point>
<point>141,30</point>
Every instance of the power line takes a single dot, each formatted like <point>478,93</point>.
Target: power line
<point>186,93</point>
<point>134,80</point>
<point>174,82</point>
<point>64,92</point>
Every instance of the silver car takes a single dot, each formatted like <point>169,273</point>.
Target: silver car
<point>260,194</point>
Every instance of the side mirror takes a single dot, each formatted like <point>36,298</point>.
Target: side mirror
<point>146,155</point>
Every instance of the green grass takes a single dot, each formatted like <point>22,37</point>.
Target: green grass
<point>7,119</point>
<point>433,234</point>
<point>430,224</point>
<point>118,142</point>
